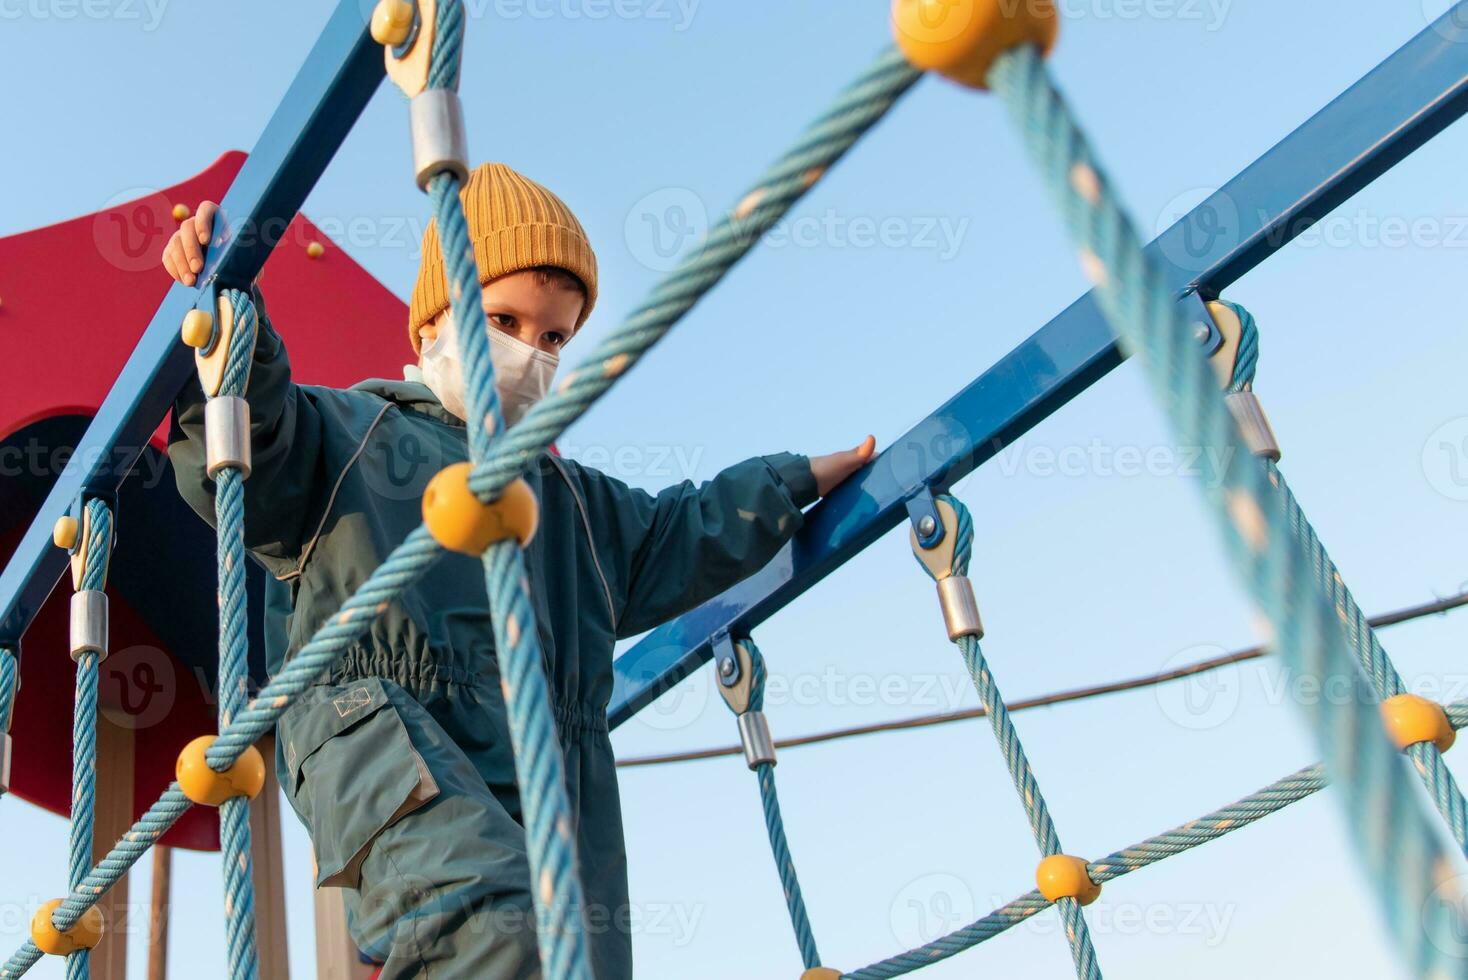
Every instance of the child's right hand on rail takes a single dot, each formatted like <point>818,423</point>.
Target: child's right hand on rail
<point>183,256</point>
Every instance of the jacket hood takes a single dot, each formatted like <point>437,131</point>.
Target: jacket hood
<point>413,395</point>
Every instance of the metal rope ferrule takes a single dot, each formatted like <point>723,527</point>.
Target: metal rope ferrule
<point>89,624</point>
<point>754,734</point>
<point>960,607</point>
<point>227,435</point>
<point>436,120</point>
<point>1253,424</point>
<point>5,749</point>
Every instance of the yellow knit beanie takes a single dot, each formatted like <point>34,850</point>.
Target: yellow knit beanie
<point>514,224</point>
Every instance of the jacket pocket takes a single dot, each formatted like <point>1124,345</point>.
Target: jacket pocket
<point>353,772</point>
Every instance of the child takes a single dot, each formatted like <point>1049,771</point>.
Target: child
<point>399,761</point>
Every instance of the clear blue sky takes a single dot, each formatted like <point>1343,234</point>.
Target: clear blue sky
<point>1086,571</point>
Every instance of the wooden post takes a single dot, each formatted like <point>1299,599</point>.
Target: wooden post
<point>336,954</point>
<point>268,871</point>
<point>158,913</point>
<point>114,818</point>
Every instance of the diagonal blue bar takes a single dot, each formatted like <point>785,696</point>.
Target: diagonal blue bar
<point>318,110</point>
<point>1389,113</point>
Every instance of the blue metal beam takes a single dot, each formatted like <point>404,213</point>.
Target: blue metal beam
<point>1402,103</point>
<point>318,110</point>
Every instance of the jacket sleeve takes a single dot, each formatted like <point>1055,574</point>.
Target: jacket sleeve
<point>673,551</point>
<point>285,448</point>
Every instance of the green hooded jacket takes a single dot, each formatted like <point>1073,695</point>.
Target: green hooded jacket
<point>336,484</point>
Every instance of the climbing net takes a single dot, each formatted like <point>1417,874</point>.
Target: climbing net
<point>481,508</point>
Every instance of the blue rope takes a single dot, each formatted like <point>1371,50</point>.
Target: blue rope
<point>857,109</point>
<point>1212,826</point>
<point>1246,361</point>
<point>229,515</point>
<point>1397,842</point>
<point>539,761</point>
<point>1428,761</point>
<point>124,854</point>
<point>84,727</point>
<point>1083,952</point>
<point>775,824</point>
<point>789,880</point>
<point>9,686</point>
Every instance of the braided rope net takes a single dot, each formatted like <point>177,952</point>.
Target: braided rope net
<point>1320,631</point>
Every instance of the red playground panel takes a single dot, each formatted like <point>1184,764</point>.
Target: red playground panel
<point>62,352</point>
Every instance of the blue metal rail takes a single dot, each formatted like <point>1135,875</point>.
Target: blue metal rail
<point>318,110</point>
<point>1393,110</point>
<point>1385,116</point>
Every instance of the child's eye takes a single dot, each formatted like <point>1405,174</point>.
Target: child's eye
<point>502,320</point>
<point>554,338</point>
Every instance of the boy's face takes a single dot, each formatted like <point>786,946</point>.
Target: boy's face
<point>523,305</point>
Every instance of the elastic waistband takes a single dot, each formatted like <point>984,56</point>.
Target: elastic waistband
<point>422,678</point>
<point>579,717</point>
<point>414,674</point>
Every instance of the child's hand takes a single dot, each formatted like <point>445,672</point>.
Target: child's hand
<point>183,256</point>
<point>830,470</point>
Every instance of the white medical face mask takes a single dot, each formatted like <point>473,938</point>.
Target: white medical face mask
<point>522,374</point>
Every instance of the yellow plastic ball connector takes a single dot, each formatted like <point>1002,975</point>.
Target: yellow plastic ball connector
<point>63,534</point>
<point>1063,876</point>
<point>198,329</point>
<point>461,522</point>
<point>392,22</point>
<point>315,250</point>
<point>85,934</point>
<point>960,39</point>
<point>181,212</point>
<point>209,788</point>
<point>821,973</point>
<point>1411,720</point>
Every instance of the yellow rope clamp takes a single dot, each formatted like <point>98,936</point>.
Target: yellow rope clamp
<point>206,787</point>
<point>64,533</point>
<point>960,39</point>
<point>754,728</point>
<point>1244,405</point>
<point>198,329</point>
<point>410,71</point>
<point>71,535</point>
<point>821,973</point>
<point>210,337</point>
<point>1410,720</point>
<point>737,695</point>
<point>955,592</point>
<point>1231,328</point>
<point>392,22</point>
<point>462,522</point>
<point>1064,876</point>
<point>85,934</point>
